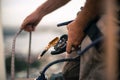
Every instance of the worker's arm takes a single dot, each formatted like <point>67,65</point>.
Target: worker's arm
<point>91,9</point>
<point>51,5</point>
<point>34,18</point>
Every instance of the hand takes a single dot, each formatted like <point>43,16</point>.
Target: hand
<point>75,36</point>
<point>31,21</point>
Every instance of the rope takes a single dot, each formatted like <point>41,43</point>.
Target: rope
<point>13,56</point>
<point>29,54</point>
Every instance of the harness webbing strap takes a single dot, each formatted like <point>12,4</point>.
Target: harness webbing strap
<point>93,32</point>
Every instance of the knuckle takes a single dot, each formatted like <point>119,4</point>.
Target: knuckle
<point>76,43</point>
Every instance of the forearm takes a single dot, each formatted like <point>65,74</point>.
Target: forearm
<point>51,5</point>
<point>91,9</point>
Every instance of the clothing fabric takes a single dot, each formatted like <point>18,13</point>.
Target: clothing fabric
<point>71,69</point>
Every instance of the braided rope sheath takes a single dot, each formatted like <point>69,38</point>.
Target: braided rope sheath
<point>13,56</point>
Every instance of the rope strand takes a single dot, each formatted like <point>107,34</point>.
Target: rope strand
<point>13,56</point>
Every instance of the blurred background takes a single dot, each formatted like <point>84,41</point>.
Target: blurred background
<point>13,13</point>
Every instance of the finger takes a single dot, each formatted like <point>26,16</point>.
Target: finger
<point>33,28</point>
<point>75,47</point>
<point>67,27</point>
<point>22,27</point>
<point>69,47</point>
<point>28,28</point>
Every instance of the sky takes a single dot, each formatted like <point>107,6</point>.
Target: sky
<point>15,11</point>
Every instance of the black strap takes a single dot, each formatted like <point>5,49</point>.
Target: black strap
<point>93,32</point>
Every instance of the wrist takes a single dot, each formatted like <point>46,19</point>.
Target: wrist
<point>41,11</point>
<point>80,25</point>
<point>83,19</point>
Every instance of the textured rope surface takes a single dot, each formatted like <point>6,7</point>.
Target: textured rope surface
<point>13,56</point>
